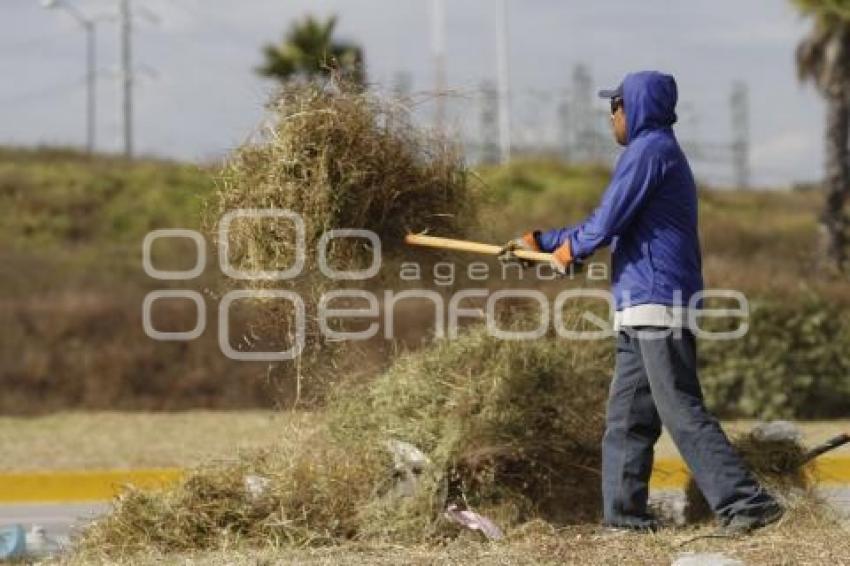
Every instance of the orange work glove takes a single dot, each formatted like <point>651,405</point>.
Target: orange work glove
<point>562,258</point>
<point>524,242</point>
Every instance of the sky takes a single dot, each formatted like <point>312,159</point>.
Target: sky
<point>198,96</point>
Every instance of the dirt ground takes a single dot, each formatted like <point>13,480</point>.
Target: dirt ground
<point>798,540</point>
<point>93,440</point>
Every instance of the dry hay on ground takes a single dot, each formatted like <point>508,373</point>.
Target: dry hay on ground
<point>511,428</point>
<point>807,535</point>
<point>776,462</point>
<point>313,495</point>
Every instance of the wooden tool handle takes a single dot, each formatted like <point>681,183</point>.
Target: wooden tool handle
<point>830,444</point>
<point>472,247</point>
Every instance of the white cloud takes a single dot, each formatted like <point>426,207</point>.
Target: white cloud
<point>748,34</point>
<point>207,96</point>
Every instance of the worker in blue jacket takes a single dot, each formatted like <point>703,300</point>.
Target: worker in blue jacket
<point>648,217</point>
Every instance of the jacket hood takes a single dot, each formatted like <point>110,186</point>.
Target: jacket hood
<point>649,99</point>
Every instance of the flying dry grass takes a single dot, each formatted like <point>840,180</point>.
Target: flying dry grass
<point>343,159</point>
<point>340,158</point>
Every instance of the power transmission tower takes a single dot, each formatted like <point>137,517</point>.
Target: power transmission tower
<point>539,126</point>
<point>740,110</point>
<point>488,132</point>
<point>88,25</point>
<point>125,74</point>
<point>402,87</point>
<point>565,130</point>
<point>583,116</point>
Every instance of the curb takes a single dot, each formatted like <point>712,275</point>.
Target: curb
<point>672,473</point>
<point>101,485</point>
<point>80,485</point>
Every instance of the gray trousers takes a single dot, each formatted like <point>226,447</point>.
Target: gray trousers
<point>655,383</point>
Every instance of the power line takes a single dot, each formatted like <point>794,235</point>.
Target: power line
<point>126,75</point>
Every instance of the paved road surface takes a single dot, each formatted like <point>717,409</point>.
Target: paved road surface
<point>57,519</point>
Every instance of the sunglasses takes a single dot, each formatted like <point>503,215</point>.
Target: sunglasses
<point>616,104</point>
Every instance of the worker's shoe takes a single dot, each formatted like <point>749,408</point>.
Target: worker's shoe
<point>646,524</point>
<point>744,524</point>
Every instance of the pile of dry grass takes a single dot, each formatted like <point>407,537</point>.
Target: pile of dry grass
<point>777,463</point>
<point>510,428</point>
<point>310,493</point>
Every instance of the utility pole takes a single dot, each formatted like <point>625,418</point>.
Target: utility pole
<point>438,47</point>
<point>740,110</point>
<point>88,25</point>
<point>126,75</point>
<point>504,84</point>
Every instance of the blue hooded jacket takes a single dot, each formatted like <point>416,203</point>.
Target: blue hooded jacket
<point>648,214</point>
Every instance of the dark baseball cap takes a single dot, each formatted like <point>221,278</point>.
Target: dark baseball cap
<point>612,93</point>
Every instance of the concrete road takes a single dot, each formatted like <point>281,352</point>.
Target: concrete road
<point>58,519</point>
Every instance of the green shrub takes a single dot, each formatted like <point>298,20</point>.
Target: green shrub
<point>53,200</point>
<point>793,363</point>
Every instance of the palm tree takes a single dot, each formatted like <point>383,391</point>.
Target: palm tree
<point>823,57</point>
<point>308,50</point>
